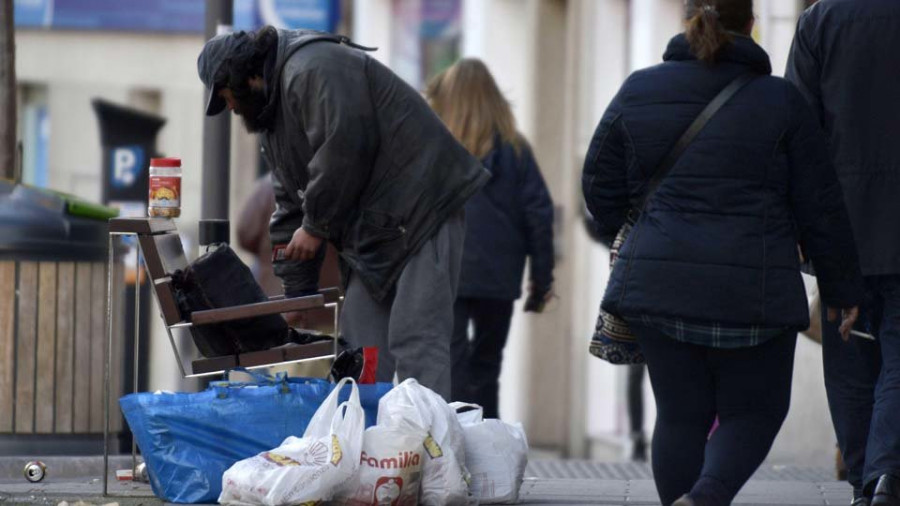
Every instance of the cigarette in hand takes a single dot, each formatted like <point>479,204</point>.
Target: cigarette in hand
<point>863,335</point>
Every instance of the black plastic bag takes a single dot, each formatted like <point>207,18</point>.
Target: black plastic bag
<point>360,364</point>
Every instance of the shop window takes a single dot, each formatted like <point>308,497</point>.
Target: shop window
<point>34,134</point>
<point>426,39</point>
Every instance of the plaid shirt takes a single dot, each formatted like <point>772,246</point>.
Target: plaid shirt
<point>711,334</point>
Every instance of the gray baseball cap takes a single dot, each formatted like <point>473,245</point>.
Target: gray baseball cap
<point>214,54</point>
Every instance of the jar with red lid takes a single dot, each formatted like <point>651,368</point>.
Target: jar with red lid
<point>165,188</point>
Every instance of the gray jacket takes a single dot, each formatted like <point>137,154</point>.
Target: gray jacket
<point>359,157</point>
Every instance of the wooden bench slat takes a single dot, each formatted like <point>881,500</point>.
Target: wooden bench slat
<point>306,351</point>
<point>82,384</point>
<point>65,346</point>
<point>258,309</point>
<point>98,345</point>
<point>167,305</point>
<point>256,358</point>
<point>26,342</point>
<point>46,348</point>
<point>208,365</point>
<point>7,344</point>
<point>163,254</point>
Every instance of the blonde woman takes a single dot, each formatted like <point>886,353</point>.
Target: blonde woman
<point>508,220</point>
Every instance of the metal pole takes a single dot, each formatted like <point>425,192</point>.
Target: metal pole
<point>216,129</point>
<point>107,365</point>
<point>337,326</point>
<point>137,348</point>
<point>175,349</point>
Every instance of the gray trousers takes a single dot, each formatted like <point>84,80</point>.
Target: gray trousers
<point>413,326</point>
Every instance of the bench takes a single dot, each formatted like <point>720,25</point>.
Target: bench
<point>163,254</point>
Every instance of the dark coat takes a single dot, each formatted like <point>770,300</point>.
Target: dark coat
<point>509,219</point>
<point>844,60</point>
<point>361,158</point>
<point>718,241</point>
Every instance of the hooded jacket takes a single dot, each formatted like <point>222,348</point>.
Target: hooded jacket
<point>360,158</point>
<point>718,240</point>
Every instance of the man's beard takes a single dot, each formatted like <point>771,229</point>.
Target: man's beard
<point>249,107</point>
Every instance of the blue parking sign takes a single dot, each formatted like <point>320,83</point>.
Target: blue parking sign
<point>126,165</point>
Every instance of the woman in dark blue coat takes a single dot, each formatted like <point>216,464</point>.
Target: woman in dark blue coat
<point>709,278</point>
<point>508,220</point>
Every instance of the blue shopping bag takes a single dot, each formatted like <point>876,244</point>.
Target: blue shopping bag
<point>369,395</point>
<point>189,440</point>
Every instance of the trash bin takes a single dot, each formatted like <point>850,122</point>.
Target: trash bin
<point>53,298</point>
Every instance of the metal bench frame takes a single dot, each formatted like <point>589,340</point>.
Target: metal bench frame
<point>161,253</point>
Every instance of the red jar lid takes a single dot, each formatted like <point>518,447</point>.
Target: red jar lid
<point>165,162</point>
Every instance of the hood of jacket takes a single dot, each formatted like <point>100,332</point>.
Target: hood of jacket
<point>289,42</point>
<point>742,51</point>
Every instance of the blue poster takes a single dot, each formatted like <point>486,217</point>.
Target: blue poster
<point>320,15</point>
<point>172,15</point>
<point>34,13</point>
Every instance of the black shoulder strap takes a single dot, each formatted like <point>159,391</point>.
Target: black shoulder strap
<point>343,39</point>
<point>269,110</point>
<point>339,39</point>
<point>688,136</point>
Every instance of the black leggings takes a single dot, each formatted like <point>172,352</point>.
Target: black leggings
<point>749,389</point>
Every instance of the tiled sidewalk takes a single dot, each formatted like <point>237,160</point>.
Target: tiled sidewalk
<point>546,492</point>
<point>549,482</point>
<point>556,481</point>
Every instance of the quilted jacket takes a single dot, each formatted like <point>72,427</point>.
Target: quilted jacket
<point>718,242</point>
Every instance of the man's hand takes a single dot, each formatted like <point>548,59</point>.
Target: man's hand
<point>848,318</point>
<point>303,246</point>
<point>537,298</point>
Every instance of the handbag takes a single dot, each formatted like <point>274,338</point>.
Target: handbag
<point>613,340</point>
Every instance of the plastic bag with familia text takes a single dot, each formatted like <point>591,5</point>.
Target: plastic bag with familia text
<point>304,470</point>
<point>444,476</point>
<point>390,468</point>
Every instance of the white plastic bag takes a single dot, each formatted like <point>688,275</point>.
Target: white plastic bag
<point>303,470</point>
<point>444,476</point>
<point>496,455</point>
<point>390,468</point>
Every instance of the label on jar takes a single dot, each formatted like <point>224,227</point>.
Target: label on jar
<point>165,191</point>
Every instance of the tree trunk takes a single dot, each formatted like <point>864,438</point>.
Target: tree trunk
<point>8,162</point>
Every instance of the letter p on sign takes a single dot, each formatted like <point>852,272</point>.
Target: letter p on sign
<point>127,163</point>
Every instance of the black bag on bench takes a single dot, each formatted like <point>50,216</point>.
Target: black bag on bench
<point>220,279</point>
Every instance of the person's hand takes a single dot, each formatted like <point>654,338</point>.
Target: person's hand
<point>537,298</point>
<point>848,318</point>
<point>303,246</point>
